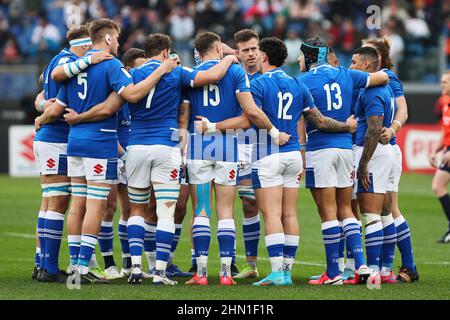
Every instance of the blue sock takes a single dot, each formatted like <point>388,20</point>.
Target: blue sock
<point>37,258</point>
<point>123,237</point>
<point>201,234</point>
<point>74,248</point>
<point>105,242</point>
<point>193,258</point>
<point>226,235</point>
<point>389,240</point>
<point>150,237</point>
<point>353,241</point>
<point>331,238</point>
<point>41,236</point>
<point>54,224</point>
<point>275,248</point>
<point>176,237</point>
<point>251,229</point>
<point>290,250</point>
<point>404,243</point>
<point>374,241</point>
<point>341,259</point>
<point>136,234</point>
<point>165,231</point>
<point>88,243</point>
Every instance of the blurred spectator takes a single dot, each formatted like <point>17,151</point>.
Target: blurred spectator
<point>35,28</point>
<point>45,38</point>
<point>293,43</point>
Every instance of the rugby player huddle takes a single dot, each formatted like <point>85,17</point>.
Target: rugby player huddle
<point>152,133</point>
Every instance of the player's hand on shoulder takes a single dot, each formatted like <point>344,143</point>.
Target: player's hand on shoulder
<point>351,121</point>
<point>386,135</point>
<point>283,138</point>
<point>168,65</point>
<point>100,56</point>
<point>71,116</point>
<point>233,59</point>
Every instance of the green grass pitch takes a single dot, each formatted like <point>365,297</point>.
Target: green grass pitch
<point>19,202</point>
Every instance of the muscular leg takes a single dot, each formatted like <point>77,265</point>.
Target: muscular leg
<point>58,187</point>
<point>40,226</point>
<point>151,220</point>
<point>226,230</point>
<point>124,202</point>
<point>371,205</point>
<point>106,235</point>
<point>439,185</point>
<point>75,217</point>
<point>289,219</point>
<point>325,199</point>
<point>180,213</point>
<point>251,228</point>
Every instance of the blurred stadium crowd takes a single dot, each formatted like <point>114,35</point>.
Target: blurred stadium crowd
<point>32,31</point>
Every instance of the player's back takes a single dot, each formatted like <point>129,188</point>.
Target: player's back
<point>218,101</point>
<point>332,89</point>
<point>56,131</point>
<point>282,98</point>
<point>87,89</point>
<point>375,101</point>
<point>154,119</point>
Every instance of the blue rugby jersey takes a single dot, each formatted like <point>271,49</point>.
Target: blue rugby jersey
<point>332,88</point>
<point>89,88</point>
<point>123,127</point>
<point>154,119</point>
<point>375,101</point>
<point>397,89</point>
<point>283,99</point>
<point>55,132</point>
<point>217,102</point>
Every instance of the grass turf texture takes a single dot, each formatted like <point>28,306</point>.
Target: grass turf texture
<point>19,203</point>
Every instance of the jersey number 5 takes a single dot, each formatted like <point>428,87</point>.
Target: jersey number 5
<point>82,81</point>
<point>336,88</point>
<point>283,106</point>
<point>211,101</point>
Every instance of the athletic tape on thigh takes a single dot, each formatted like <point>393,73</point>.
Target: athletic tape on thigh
<point>58,189</point>
<point>79,189</point>
<point>166,193</point>
<point>138,196</point>
<point>246,192</point>
<point>97,192</point>
<point>203,199</point>
<point>44,190</point>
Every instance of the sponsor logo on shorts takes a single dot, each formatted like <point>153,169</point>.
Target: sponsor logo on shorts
<point>232,175</point>
<point>51,163</point>
<point>174,174</point>
<point>98,169</point>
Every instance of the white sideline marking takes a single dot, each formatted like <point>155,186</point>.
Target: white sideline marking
<point>19,235</point>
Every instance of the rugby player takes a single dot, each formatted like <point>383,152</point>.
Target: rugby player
<point>92,147</point>
<point>50,149</point>
<point>329,156</point>
<point>408,271</point>
<point>375,108</point>
<point>442,175</point>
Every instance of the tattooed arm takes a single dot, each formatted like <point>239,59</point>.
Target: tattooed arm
<point>374,125</point>
<point>328,124</point>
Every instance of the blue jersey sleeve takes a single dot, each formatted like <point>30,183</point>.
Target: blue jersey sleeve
<point>188,76</point>
<point>257,93</point>
<point>241,81</point>
<point>373,103</point>
<point>396,85</point>
<point>119,78</point>
<point>360,79</point>
<point>63,95</point>
<point>308,101</point>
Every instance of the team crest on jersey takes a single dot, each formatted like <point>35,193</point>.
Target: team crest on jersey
<point>51,163</point>
<point>174,175</point>
<point>98,169</point>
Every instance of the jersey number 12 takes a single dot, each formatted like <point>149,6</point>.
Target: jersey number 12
<point>284,103</point>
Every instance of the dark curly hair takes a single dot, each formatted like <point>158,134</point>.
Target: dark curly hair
<point>275,49</point>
